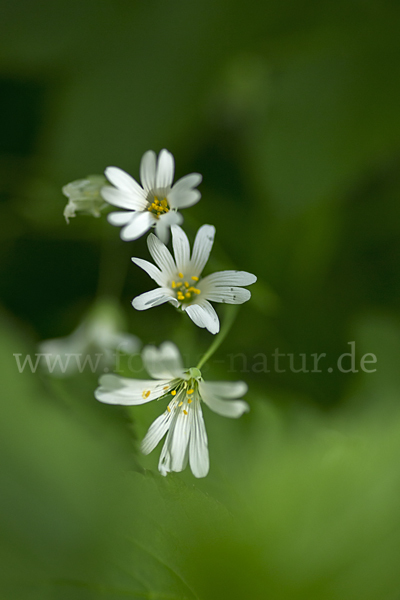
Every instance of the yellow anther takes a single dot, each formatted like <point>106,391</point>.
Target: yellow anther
<point>164,203</point>
<point>190,401</point>
<point>165,387</point>
<point>194,278</point>
<point>173,393</point>
<point>173,284</point>
<point>188,295</point>
<point>185,411</point>
<point>146,394</point>
<point>186,284</point>
<point>168,409</point>
<point>180,403</point>
<point>180,275</point>
<point>196,291</point>
<point>190,391</point>
<point>156,200</point>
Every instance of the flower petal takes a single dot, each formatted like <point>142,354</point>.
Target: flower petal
<point>148,170</point>
<point>182,194</point>
<point>228,295</point>
<point>165,462</point>
<point>202,248</point>
<point>198,446</point>
<point>122,199</point>
<point>161,256</point>
<point>120,218</point>
<point>158,276</point>
<point>156,432</point>
<point>165,169</point>
<point>226,408</point>
<point>227,389</point>
<point>164,362</point>
<point>181,248</point>
<point>230,278</point>
<point>124,182</point>
<point>154,298</point>
<point>183,198</point>
<point>164,223</point>
<point>139,224</point>
<point>203,315</point>
<point>180,441</point>
<point>121,390</point>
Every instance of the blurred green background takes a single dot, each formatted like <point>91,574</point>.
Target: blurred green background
<point>291,113</point>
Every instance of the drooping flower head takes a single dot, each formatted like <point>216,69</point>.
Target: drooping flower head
<point>95,342</point>
<point>154,203</point>
<point>182,422</point>
<point>84,196</point>
<point>180,280</point>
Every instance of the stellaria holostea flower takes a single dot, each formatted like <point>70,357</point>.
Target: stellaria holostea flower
<point>153,204</point>
<point>84,196</point>
<point>182,420</point>
<point>93,344</point>
<point>180,279</point>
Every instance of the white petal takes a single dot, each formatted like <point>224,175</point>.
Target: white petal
<point>161,256</point>
<point>121,390</point>
<point>183,198</point>
<point>202,248</point>
<point>228,295</point>
<point>203,315</point>
<point>158,276</point>
<point>226,408</point>
<point>181,248</point>
<point>156,432</point>
<point>230,278</point>
<point>140,223</point>
<point>123,181</point>
<point>165,462</point>
<point>182,194</point>
<point>122,199</point>
<point>226,389</point>
<point>165,169</point>
<point>153,298</point>
<point>164,362</point>
<point>198,448</point>
<point>164,223</point>
<point>148,170</point>
<point>180,441</point>
<point>120,218</point>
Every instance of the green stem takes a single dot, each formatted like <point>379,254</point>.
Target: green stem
<point>231,314</point>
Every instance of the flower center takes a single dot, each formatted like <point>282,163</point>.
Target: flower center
<point>183,395</point>
<point>184,287</point>
<point>158,207</point>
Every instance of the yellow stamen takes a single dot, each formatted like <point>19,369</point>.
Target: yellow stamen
<point>168,409</point>
<point>173,285</point>
<point>190,401</point>
<point>173,393</point>
<point>185,411</point>
<point>194,278</point>
<point>146,394</point>
<point>186,284</point>
<point>188,295</point>
<point>180,275</point>
<point>165,387</point>
<point>180,403</point>
<point>190,391</point>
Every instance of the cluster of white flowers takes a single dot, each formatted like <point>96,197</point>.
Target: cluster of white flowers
<point>155,204</point>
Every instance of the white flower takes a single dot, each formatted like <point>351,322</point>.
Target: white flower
<point>156,202</point>
<point>180,279</point>
<point>93,344</point>
<point>182,421</point>
<point>84,196</point>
